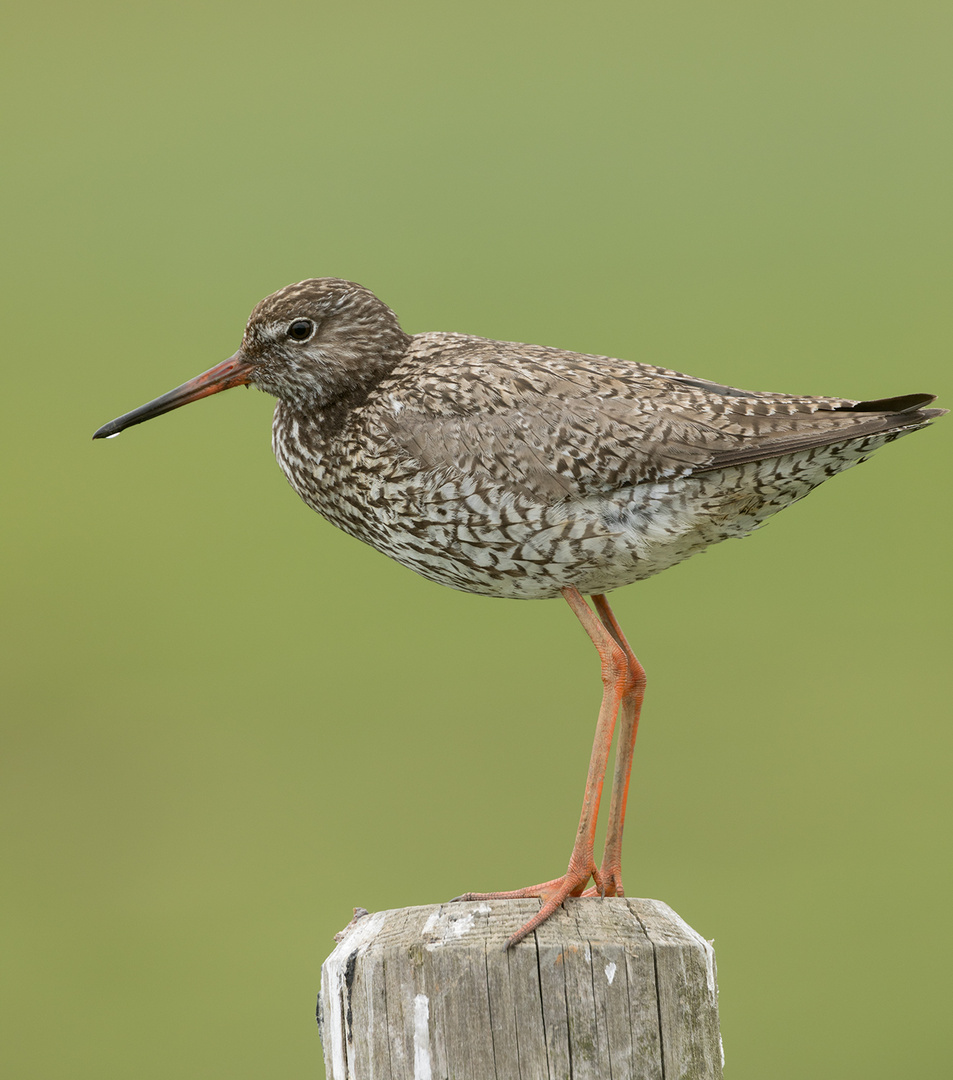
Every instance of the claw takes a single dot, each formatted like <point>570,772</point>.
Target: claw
<point>608,883</point>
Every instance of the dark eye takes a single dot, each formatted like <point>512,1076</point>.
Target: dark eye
<point>301,329</point>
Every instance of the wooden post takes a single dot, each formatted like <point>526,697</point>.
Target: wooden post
<point>605,988</point>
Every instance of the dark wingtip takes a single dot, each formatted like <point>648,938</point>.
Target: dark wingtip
<point>904,403</point>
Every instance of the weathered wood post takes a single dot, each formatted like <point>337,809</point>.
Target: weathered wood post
<point>606,988</point>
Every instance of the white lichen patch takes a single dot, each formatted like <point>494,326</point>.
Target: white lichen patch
<point>422,1070</point>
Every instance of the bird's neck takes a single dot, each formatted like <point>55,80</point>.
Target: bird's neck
<point>311,422</point>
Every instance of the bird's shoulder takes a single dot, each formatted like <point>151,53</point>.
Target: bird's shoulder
<point>454,373</point>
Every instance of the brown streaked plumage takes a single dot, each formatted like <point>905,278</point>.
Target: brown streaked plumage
<point>530,472</point>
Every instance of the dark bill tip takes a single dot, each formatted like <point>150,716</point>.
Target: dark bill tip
<point>235,371</point>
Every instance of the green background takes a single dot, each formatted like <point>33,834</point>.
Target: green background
<point>226,724</point>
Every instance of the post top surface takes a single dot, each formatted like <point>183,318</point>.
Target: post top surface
<point>482,923</point>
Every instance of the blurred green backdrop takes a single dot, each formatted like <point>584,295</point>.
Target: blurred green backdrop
<point>226,724</point>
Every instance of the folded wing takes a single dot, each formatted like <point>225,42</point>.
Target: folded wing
<point>568,425</point>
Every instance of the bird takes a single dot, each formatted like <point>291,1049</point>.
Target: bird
<point>530,472</point>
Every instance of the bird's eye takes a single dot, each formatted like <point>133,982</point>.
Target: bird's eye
<point>301,329</point>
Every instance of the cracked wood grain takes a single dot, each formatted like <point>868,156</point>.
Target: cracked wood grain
<point>608,989</point>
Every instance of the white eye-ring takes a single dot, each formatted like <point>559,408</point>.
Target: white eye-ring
<point>301,330</point>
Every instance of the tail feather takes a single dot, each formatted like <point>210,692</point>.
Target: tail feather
<point>891,417</point>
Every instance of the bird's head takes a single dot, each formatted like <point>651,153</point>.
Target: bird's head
<point>313,343</point>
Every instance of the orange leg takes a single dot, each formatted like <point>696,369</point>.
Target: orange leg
<point>610,872</point>
<point>620,687</point>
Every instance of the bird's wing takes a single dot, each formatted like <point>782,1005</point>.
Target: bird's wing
<point>555,425</point>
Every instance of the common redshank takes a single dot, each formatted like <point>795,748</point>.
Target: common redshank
<point>529,472</point>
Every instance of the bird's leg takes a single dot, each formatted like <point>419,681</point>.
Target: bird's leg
<point>610,872</point>
<point>616,680</point>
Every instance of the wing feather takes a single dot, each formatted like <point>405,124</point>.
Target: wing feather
<point>557,425</point>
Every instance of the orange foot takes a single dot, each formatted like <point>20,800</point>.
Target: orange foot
<point>552,893</point>
<point>610,883</point>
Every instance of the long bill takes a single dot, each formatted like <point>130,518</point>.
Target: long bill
<point>235,371</point>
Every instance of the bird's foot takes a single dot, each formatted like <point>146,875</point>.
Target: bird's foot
<point>552,893</point>
<point>610,883</point>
